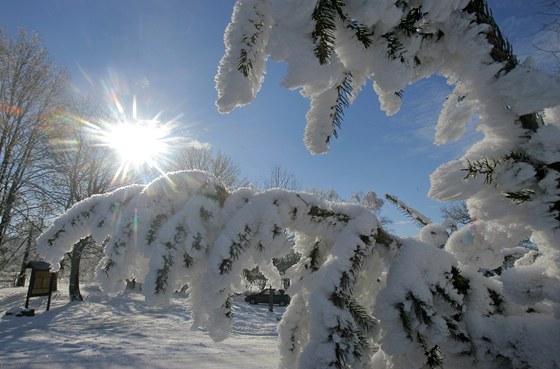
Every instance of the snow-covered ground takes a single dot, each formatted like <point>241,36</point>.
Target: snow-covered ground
<point>123,332</point>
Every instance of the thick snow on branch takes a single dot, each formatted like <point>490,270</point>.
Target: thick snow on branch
<point>97,216</point>
<point>359,295</point>
<point>242,69</point>
<point>510,177</point>
<point>184,228</point>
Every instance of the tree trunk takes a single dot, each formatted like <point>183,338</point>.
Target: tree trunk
<point>20,281</point>
<point>75,257</point>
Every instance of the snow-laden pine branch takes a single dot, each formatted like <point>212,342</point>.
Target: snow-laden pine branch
<point>184,228</point>
<point>510,177</point>
<point>360,296</point>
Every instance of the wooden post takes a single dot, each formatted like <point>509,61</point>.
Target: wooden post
<point>51,288</point>
<point>270,300</point>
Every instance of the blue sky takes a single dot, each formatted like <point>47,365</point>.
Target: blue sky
<point>167,52</point>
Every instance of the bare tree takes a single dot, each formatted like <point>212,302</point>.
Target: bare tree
<point>280,177</point>
<point>80,168</point>
<point>219,164</point>
<point>31,88</point>
<point>552,23</point>
<point>32,230</point>
<point>328,195</point>
<point>458,213</point>
<point>372,202</point>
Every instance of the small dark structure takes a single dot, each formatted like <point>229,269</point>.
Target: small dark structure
<point>42,281</point>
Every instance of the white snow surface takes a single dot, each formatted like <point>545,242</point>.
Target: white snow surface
<point>124,332</point>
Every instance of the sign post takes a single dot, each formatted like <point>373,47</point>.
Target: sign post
<point>41,283</point>
<point>271,299</point>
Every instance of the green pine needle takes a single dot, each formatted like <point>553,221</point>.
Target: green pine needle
<point>325,26</point>
<point>344,96</point>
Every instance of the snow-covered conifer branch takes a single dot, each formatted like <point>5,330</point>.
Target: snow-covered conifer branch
<point>181,229</point>
<point>502,52</point>
<point>238,245</point>
<point>94,216</point>
<point>241,70</point>
<point>429,311</point>
<point>425,311</point>
<point>361,297</point>
<point>412,40</point>
<point>413,214</point>
<point>326,15</point>
<point>327,111</point>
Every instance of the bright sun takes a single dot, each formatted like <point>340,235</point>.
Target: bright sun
<point>137,143</point>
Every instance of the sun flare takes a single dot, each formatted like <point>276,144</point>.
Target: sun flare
<point>138,144</point>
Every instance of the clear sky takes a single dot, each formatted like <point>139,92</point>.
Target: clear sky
<point>167,52</point>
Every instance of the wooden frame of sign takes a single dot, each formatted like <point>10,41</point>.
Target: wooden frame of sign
<point>41,282</point>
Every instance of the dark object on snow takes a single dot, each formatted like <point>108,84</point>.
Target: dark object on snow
<point>41,283</point>
<point>279,297</point>
<point>21,312</point>
<point>131,284</point>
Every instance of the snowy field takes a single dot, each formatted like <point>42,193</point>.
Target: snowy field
<point>123,332</point>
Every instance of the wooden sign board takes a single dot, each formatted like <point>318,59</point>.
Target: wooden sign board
<point>41,282</point>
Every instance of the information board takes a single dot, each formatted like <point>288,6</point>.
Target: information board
<point>41,282</point>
